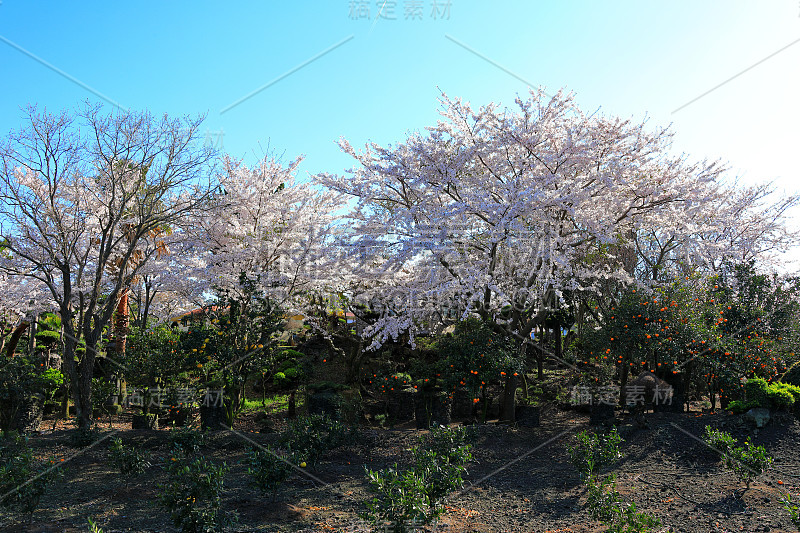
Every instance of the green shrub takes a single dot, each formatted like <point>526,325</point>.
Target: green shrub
<point>23,480</point>
<point>594,452</point>
<point>440,460</point>
<point>445,439</point>
<point>47,338</point>
<point>794,510</point>
<point>780,398</point>
<point>756,390</point>
<point>128,460</point>
<point>719,441</point>
<point>83,437</point>
<point>606,505</point>
<point>268,470</point>
<point>93,527</point>
<point>602,499</point>
<point>187,440</point>
<point>591,454</point>
<point>791,389</point>
<point>308,438</point>
<point>749,462</point>
<point>414,495</point>
<point>399,498</point>
<point>776,395</point>
<point>738,407</point>
<point>443,473</point>
<point>19,380</point>
<point>193,495</point>
<point>50,381</point>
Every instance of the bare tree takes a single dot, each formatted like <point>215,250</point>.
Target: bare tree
<point>80,195</point>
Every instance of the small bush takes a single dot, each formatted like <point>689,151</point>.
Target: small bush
<point>606,505</point>
<point>186,440</point>
<point>268,470</point>
<point>23,480</point>
<point>602,499</point>
<point>590,455</point>
<point>791,389</point>
<point>777,395</point>
<point>594,452</point>
<point>50,381</point>
<point>749,462</point>
<point>756,390</point>
<point>309,438</point>
<point>128,460</point>
<point>399,498</point>
<point>193,495</point>
<point>719,441</point>
<point>440,460</point>
<point>780,398</point>
<point>738,407</point>
<point>412,497</point>
<point>792,507</point>
<point>83,437</point>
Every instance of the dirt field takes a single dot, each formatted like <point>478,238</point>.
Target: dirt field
<point>520,481</point>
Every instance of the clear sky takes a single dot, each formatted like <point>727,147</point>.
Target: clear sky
<point>294,76</point>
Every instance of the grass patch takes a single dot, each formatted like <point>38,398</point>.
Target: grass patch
<point>275,404</point>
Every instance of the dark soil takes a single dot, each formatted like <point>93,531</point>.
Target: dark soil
<point>520,481</point>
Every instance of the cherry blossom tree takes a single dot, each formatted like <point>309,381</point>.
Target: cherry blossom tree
<point>499,213</point>
<point>79,194</point>
<point>266,223</point>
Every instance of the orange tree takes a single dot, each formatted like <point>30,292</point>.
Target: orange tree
<point>714,330</point>
<point>235,339</point>
<point>760,319</point>
<point>155,360</point>
<point>474,358</point>
<point>667,330</point>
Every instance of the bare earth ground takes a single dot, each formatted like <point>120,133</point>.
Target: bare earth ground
<point>522,480</point>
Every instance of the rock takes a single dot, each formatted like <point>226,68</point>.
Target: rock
<point>149,421</point>
<point>758,416</point>
<point>214,413</point>
<point>328,403</point>
<point>401,405</point>
<point>28,417</point>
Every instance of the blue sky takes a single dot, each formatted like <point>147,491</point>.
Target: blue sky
<point>342,72</point>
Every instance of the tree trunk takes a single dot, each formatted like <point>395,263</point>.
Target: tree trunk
<point>558,352</point>
<point>32,335</point>
<point>623,381</point>
<point>121,322</point>
<point>540,364</point>
<point>292,405</point>
<point>14,340</point>
<point>149,294</point>
<point>508,408</point>
<point>354,363</point>
<point>83,387</point>
<point>80,373</point>
<point>540,355</point>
